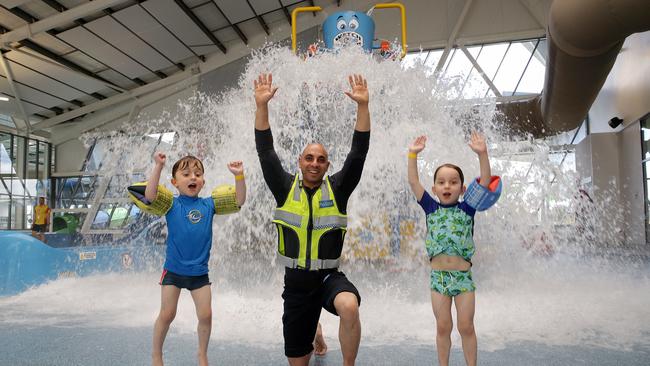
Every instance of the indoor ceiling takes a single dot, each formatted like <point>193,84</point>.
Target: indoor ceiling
<point>63,55</point>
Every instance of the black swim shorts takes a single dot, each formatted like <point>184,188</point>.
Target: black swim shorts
<point>180,281</point>
<point>305,294</point>
<point>39,228</point>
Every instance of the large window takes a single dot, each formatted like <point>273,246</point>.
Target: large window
<point>25,166</point>
<point>510,68</point>
<point>95,200</point>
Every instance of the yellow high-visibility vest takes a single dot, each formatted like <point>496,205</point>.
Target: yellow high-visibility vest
<point>310,221</point>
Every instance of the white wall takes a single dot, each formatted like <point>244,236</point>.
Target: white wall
<point>626,93</point>
<point>631,178</point>
<point>616,154</point>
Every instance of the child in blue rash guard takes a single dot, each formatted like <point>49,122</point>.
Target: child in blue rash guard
<point>449,241</point>
<point>189,222</point>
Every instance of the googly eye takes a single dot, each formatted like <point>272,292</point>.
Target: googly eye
<point>354,24</point>
<point>340,25</point>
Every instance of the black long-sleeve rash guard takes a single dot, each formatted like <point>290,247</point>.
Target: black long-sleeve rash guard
<point>343,184</point>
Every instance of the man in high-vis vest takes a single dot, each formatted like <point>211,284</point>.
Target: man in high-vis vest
<point>311,220</point>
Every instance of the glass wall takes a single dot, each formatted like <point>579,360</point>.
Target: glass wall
<point>94,202</point>
<point>25,167</point>
<point>512,68</point>
<point>645,161</point>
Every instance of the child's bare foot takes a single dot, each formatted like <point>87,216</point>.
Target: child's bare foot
<point>156,360</point>
<point>203,360</point>
<point>320,347</point>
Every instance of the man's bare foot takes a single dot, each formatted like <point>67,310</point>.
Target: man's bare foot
<point>320,347</point>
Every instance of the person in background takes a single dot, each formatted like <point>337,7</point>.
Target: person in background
<point>41,219</point>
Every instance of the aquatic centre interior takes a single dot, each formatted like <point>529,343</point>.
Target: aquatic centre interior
<point>561,90</point>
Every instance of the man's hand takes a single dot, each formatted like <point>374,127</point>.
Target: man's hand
<point>264,89</point>
<point>359,92</point>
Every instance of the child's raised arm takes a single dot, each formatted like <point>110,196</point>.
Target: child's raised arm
<point>237,169</point>
<point>478,145</point>
<point>414,181</point>
<point>151,191</point>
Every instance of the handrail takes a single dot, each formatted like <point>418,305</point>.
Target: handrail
<point>294,13</point>
<point>403,14</point>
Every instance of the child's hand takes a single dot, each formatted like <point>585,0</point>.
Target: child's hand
<point>477,143</point>
<point>236,167</point>
<point>359,91</point>
<point>264,89</point>
<point>418,144</point>
<point>160,158</point>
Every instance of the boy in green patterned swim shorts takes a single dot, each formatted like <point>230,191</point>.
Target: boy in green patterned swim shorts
<point>449,242</point>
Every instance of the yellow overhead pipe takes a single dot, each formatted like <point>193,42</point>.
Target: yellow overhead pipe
<point>294,13</point>
<point>403,11</point>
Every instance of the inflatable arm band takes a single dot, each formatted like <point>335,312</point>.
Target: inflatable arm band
<point>225,200</point>
<point>159,206</point>
<point>482,198</point>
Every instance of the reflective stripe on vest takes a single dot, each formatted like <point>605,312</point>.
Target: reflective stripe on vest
<point>294,215</point>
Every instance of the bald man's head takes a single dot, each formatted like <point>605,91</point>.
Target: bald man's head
<point>313,163</point>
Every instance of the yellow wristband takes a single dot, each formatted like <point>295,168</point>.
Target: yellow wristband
<point>413,155</point>
<point>239,177</point>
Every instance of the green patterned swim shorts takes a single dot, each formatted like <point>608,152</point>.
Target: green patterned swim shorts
<point>452,283</point>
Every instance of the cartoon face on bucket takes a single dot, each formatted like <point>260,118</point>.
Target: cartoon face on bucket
<point>194,216</point>
<point>348,27</point>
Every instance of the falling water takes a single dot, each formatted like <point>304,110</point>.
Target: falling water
<point>548,274</point>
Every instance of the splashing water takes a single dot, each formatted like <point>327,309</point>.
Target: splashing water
<point>545,277</point>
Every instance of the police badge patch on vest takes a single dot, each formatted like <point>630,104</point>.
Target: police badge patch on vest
<point>326,203</point>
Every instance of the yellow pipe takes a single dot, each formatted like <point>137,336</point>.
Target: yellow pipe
<point>403,11</point>
<point>294,13</point>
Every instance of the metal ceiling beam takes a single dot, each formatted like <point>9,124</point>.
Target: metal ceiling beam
<point>74,130</point>
<point>22,14</point>
<point>51,55</point>
<point>69,64</point>
<point>55,5</point>
<point>57,20</point>
<point>14,90</point>
<point>286,11</point>
<point>454,34</point>
<point>480,71</point>
<point>200,57</point>
<point>259,18</point>
<point>151,87</point>
<point>213,62</point>
<point>61,8</point>
<point>200,24</point>
<point>241,34</point>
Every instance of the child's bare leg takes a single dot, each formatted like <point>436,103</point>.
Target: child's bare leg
<point>320,347</point>
<point>441,305</point>
<point>203,302</point>
<point>168,302</point>
<point>465,316</point>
